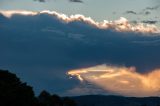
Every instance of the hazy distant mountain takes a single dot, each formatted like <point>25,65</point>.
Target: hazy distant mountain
<point>101,100</point>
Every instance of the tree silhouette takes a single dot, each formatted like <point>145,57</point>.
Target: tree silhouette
<point>56,100</point>
<point>45,99</point>
<point>13,92</point>
<point>68,102</point>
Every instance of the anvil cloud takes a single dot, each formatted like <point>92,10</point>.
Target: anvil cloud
<point>47,44</point>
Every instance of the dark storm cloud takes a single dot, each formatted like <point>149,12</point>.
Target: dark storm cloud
<point>41,49</point>
<point>78,1</point>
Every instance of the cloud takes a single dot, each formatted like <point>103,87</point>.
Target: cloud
<point>149,22</point>
<point>9,14</point>
<point>121,80</point>
<point>85,89</point>
<point>40,0</point>
<point>147,13</point>
<point>46,44</point>
<point>152,8</point>
<point>79,1</point>
<point>121,25</point>
<point>148,10</point>
<point>130,12</point>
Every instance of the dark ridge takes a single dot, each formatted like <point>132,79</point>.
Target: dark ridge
<point>102,100</point>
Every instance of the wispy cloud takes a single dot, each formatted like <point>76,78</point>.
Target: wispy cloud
<point>40,0</point>
<point>78,1</point>
<point>149,22</point>
<point>146,11</point>
<point>130,12</point>
<point>121,80</point>
<point>152,8</point>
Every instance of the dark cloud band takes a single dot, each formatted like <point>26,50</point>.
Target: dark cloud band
<point>79,1</point>
<point>130,12</point>
<point>149,22</point>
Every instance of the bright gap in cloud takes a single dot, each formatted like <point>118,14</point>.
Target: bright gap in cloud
<point>124,81</point>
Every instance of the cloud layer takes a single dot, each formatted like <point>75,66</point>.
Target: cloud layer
<point>121,80</point>
<point>121,25</point>
<point>48,44</point>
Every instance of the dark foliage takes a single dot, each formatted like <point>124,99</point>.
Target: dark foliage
<point>13,92</point>
<point>45,99</point>
<point>69,102</point>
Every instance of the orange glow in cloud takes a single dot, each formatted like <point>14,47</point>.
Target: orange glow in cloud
<point>121,80</point>
<point>12,12</point>
<point>121,25</point>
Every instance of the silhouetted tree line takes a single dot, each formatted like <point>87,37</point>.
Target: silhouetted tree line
<point>13,92</point>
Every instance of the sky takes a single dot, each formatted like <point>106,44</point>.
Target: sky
<point>82,54</point>
<point>97,9</point>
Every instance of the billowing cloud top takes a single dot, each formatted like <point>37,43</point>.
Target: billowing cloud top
<point>121,25</point>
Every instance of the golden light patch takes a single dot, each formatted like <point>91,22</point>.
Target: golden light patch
<point>121,80</point>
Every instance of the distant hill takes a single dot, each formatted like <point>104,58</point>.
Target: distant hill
<point>41,49</point>
<point>101,100</point>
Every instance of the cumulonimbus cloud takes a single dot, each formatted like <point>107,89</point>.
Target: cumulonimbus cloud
<point>121,80</point>
<point>121,25</point>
